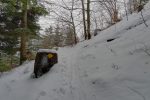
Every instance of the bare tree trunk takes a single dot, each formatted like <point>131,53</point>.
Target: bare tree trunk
<point>95,21</point>
<point>74,29</point>
<point>88,20</point>
<point>73,24</point>
<point>72,19</point>
<point>23,35</point>
<point>125,6</point>
<point>11,60</point>
<point>115,11</point>
<point>84,21</point>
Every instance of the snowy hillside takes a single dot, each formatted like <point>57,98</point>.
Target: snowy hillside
<point>97,69</point>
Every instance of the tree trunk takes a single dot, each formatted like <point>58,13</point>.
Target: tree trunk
<point>115,16</point>
<point>88,20</point>
<point>125,6</point>
<point>114,12</point>
<point>11,60</point>
<point>73,24</point>
<point>84,21</point>
<point>74,31</point>
<point>23,35</point>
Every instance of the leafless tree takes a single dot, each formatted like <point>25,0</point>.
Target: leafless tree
<point>125,6</point>
<point>140,8</point>
<point>84,20</point>
<point>110,6</point>
<point>66,16</point>
<point>88,20</point>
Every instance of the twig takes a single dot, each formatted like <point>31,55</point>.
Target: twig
<point>146,49</point>
<point>143,19</point>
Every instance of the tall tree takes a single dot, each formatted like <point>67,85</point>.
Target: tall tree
<point>20,17</point>
<point>73,22</point>
<point>88,20</point>
<point>65,15</point>
<point>84,19</point>
<point>110,6</point>
<point>23,35</point>
<point>69,36</point>
<point>8,38</point>
<point>33,9</point>
<point>58,38</point>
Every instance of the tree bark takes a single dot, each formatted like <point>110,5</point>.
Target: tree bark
<point>74,30</point>
<point>125,9</point>
<point>73,24</point>
<point>23,35</point>
<point>115,12</point>
<point>84,21</point>
<point>88,20</point>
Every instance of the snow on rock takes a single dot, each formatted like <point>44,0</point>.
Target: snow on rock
<point>47,50</point>
<point>92,70</point>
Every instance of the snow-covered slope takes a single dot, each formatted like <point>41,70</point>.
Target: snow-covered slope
<point>92,70</point>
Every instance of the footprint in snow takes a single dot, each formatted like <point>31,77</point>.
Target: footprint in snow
<point>146,63</point>
<point>8,87</point>
<point>26,71</point>
<point>85,74</point>
<point>56,99</point>
<point>43,93</point>
<point>85,46</point>
<point>54,90</point>
<point>145,72</point>
<point>64,62</point>
<point>60,91</point>
<point>65,83</point>
<point>88,56</point>
<point>97,67</point>
<point>12,81</point>
<point>62,70</point>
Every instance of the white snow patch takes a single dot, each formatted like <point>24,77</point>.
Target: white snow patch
<point>47,50</point>
<point>147,6</point>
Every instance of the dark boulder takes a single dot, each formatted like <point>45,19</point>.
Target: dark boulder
<point>44,61</point>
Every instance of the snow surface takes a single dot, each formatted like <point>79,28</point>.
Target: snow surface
<point>147,6</point>
<point>92,70</point>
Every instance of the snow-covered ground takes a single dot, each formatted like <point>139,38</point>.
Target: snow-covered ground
<point>92,70</point>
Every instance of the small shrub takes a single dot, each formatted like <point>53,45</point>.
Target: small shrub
<point>4,67</point>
